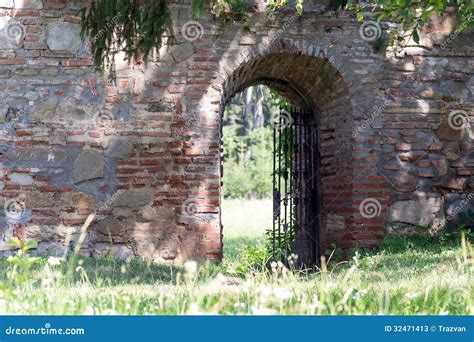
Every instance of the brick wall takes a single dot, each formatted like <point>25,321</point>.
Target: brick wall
<point>144,153</point>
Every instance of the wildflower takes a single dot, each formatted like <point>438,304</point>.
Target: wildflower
<point>263,311</point>
<point>264,290</point>
<point>194,310</point>
<point>282,293</point>
<point>292,259</point>
<point>411,295</point>
<point>110,312</point>
<point>54,261</point>
<point>239,306</point>
<point>359,294</point>
<point>190,267</point>
<point>46,282</point>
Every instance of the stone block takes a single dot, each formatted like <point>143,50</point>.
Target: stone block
<point>61,36</point>
<point>121,252</point>
<point>119,149</point>
<point>44,111</point>
<point>133,198</point>
<point>453,183</point>
<point>161,216</point>
<point>181,52</point>
<point>20,178</point>
<point>405,182</point>
<point>440,166</point>
<point>80,201</point>
<point>417,212</point>
<point>110,227</point>
<point>89,164</point>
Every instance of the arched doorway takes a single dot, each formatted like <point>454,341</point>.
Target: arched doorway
<point>269,176</point>
<point>311,180</point>
<point>313,81</point>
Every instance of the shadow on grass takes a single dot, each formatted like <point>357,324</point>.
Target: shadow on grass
<point>104,271</point>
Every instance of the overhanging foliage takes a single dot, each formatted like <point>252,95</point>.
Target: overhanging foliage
<point>136,28</point>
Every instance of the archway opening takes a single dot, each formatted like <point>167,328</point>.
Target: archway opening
<point>317,152</point>
<point>246,169</point>
<point>270,189</point>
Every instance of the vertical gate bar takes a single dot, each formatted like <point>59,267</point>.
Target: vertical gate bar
<point>309,198</point>
<point>279,186</point>
<point>304,184</point>
<point>295,181</point>
<point>290,154</point>
<point>285,176</point>
<point>301,171</point>
<point>274,191</point>
<point>314,189</point>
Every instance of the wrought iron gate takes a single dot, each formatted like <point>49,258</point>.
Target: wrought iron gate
<point>295,187</point>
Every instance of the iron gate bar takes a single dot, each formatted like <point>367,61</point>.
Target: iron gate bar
<point>274,191</point>
<point>279,182</point>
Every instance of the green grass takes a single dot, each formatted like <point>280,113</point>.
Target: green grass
<point>244,222</point>
<point>404,276</point>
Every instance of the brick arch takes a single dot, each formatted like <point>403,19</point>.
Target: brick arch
<point>309,68</point>
<point>307,76</point>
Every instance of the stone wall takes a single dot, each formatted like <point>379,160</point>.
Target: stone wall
<point>143,153</point>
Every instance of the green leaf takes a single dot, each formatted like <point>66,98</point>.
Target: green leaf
<point>15,242</point>
<point>360,17</point>
<point>415,36</point>
<point>29,245</point>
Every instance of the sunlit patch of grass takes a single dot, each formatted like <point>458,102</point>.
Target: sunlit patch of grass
<point>246,218</point>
